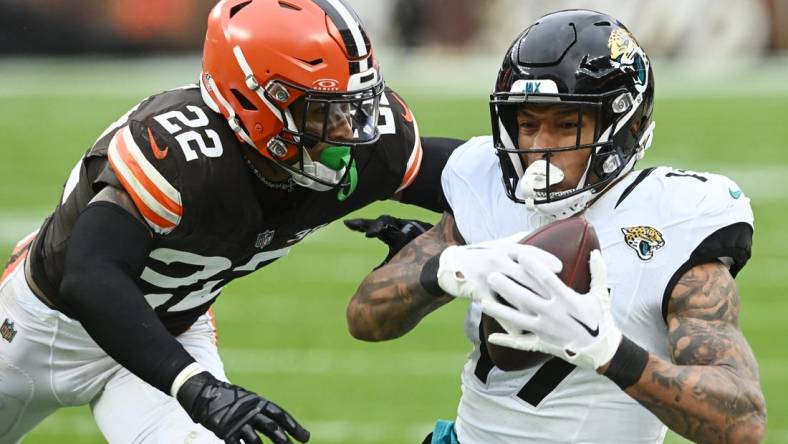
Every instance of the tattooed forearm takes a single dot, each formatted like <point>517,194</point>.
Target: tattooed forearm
<point>390,301</point>
<point>711,392</point>
<point>703,403</point>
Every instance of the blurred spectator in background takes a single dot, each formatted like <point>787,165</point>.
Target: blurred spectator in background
<point>672,28</point>
<point>414,24</point>
<point>453,23</point>
<point>52,27</point>
<point>179,22</point>
<point>411,21</point>
<point>778,13</point>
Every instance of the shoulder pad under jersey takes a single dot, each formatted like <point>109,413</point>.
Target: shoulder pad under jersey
<point>169,149</point>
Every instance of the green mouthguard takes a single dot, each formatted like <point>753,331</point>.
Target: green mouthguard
<point>336,158</point>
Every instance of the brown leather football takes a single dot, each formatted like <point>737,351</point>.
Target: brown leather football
<point>570,240</point>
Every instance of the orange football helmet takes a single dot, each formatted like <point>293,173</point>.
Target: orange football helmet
<point>268,62</point>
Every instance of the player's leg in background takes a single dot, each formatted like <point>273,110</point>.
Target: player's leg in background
<point>132,411</point>
<point>19,348</point>
<point>43,365</point>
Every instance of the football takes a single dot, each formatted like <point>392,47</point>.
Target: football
<point>571,240</point>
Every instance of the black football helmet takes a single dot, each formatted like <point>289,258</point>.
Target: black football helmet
<point>582,59</point>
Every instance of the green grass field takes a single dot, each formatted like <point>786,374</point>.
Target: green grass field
<point>282,331</point>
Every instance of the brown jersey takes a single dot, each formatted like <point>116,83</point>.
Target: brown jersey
<point>211,217</point>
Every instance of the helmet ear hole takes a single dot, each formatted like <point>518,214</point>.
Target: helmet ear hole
<point>237,8</point>
<point>287,5</point>
<point>243,101</point>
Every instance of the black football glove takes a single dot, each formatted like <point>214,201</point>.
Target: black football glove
<point>394,232</point>
<point>235,414</point>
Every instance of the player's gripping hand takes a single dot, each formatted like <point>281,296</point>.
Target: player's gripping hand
<point>576,327</point>
<point>463,269</point>
<point>235,414</point>
<point>394,232</point>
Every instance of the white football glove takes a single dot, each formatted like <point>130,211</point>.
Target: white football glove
<point>576,327</point>
<point>463,269</point>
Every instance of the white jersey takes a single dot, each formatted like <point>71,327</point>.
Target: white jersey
<point>652,225</point>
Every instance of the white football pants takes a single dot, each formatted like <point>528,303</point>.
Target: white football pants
<point>51,362</point>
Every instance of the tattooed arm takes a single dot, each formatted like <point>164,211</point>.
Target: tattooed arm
<point>711,392</point>
<point>391,301</point>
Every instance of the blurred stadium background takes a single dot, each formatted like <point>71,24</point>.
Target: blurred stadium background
<point>68,68</point>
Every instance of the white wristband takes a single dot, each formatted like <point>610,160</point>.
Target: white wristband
<point>189,371</point>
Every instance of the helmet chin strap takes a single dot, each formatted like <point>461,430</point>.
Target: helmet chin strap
<point>645,140</point>
<point>335,164</point>
<point>564,208</point>
<point>318,170</point>
<point>534,181</point>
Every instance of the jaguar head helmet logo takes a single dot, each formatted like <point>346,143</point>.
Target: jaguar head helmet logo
<point>622,45</point>
<point>627,55</point>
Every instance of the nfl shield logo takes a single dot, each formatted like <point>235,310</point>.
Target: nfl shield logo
<point>264,238</point>
<point>7,330</point>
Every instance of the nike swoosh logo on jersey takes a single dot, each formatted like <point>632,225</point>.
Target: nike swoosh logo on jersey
<point>407,115</point>
<point>157,152</point>
<point>593,332</point>
<point>734,194</point>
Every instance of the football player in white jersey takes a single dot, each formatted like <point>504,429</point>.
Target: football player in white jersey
<point>656,342</point>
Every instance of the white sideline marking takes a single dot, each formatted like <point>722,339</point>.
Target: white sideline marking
<point>14,226</point>
<point>321,430</point>
<point>355,362</point>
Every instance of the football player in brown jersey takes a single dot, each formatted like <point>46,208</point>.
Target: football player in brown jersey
<point>289,128</point>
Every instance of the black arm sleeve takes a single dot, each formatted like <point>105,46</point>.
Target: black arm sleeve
<point>105,257</point>
<point>426,191</point>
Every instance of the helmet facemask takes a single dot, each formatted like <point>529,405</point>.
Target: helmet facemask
<point>341,120</point>
<point>540,182</point>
